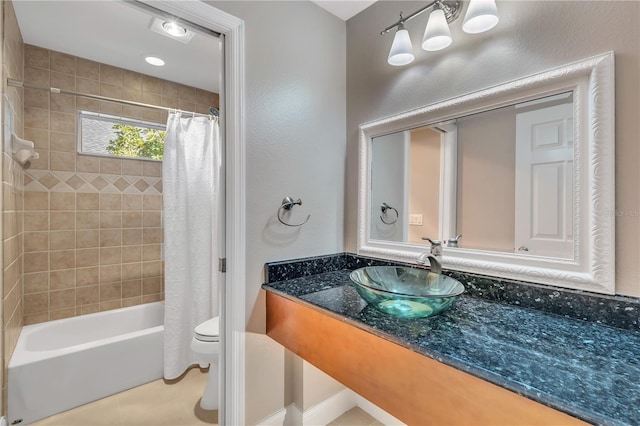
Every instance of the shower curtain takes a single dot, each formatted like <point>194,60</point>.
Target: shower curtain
<point>190,180</point>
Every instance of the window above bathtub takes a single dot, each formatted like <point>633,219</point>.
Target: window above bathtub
<point>112,136</point>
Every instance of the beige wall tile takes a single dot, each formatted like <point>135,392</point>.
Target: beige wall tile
<point>152,235</point>
<point>110,166</point>
<point>60,240</point>
<point>110,291</point>
<point>89,309</point>
<point>62,259</point>
<point>36,318</point>
<point>186,93</point>
<point>87,295</point>
<point>38,76</point>
<point>151,84</point>
<point>132,167</point>
<point>150,298</point>
<point>36,282</point>
<point>131,237</point>
<point>91,87</point>
<point>62,161</point>
<point>36,98</point>
<point>40,137</point>
<point>131,301</point>
<point>131,271</point>
<point>36,221</point>
<point>111,75</point>
<point>131,202</point>
<point>151,285</point>
<point>35,303</point>
<point>152,269</point>
<point>36,261</point>
<point>63,81</point>
<point>65,142</point>
<point>63,63</point>
<point>37,118</point>
<point>132,288</point>
<point>110,219</point>
<point>132,80</point>
<point>36,56</point>
<point>63,103</point>
<point>111,304</point>
<point>61,299</point>
<point>87,238</point>
<point>87,69</point>
<point>111,255</point>
<point>87,257</point>
<point>63,200</point>
<point>60,221</point>
<point>88,201</point>
<point>62,122</point>
<point>36,241</point>
<point>110,201</point>
<point>152,219</point>
<point>110,273</point>
<point>41,163</point>
<point>87,276</point>
<point>131,219</point>
<point>87,219</point>
<point>169,89</point>
<point>132,253</point>
<point>152,202</point>
<point>62,313</point>
<point>110,237</point>
<point>62,279</point>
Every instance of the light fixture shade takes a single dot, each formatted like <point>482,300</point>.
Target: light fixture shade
<point>437,34</point>
<point>401,52</point>
<point>482,15</point>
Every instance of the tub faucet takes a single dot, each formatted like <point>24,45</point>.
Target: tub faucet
<point>432,256</point>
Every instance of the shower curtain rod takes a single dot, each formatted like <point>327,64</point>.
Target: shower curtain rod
<point>17,83</point>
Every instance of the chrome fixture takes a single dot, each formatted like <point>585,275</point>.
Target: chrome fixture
<point>436,246</point>
<point>287,205</point>
<point>481,16</point>
<point>434,263</point>
<point>384,207</point>
<point>453,242</point>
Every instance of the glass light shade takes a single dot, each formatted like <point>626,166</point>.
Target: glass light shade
<point>437,34</point>
<point>482,15</point>
<point>401,52</point>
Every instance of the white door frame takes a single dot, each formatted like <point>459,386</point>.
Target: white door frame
<point>232,297</point>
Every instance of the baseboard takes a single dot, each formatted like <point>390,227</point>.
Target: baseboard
<point>329,410</point>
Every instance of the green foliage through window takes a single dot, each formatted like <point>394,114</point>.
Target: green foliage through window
<point>133,141</point>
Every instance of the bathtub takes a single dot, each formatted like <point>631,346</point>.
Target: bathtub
<point>59,365</point>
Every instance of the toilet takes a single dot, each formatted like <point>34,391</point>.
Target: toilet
<point>206,345</point>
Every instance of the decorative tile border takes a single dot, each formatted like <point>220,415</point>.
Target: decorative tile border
<point>56,181</point>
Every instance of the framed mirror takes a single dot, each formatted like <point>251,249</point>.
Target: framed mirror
<point>517,180</point>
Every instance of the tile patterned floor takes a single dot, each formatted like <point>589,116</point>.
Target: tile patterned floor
<point>160,403</point>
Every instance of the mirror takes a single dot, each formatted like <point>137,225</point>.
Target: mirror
<point>515,180</point>
<point>516,158</point>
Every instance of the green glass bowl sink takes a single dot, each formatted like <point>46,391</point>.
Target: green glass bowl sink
<point>406,292</point>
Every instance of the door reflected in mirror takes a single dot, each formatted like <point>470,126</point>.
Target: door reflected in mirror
<point>502,178</point>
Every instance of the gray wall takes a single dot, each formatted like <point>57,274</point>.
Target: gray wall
<point>531,37</point>
<point>295,132</point>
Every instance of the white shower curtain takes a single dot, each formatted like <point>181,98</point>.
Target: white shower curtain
<point>190,180</point>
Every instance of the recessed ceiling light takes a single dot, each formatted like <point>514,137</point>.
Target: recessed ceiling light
<point>153,60</point>
<point>169,28</point>
<point>174,29</point>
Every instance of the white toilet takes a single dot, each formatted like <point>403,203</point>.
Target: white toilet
<point>206,344</point>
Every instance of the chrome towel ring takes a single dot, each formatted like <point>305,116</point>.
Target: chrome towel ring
<point>287,204</point>
<point>384,207</point>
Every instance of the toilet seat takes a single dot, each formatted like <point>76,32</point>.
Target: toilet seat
<point>208,331</point>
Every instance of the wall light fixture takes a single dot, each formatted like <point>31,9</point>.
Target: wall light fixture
<point>481,16</point>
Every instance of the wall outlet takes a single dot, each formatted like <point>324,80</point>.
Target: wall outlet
<point>415,219</point>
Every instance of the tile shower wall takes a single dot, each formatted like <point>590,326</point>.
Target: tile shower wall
<point>12,191</point>
<point>93,229</point>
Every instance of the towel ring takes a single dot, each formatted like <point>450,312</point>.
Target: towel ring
<point>384,207</point>
<point>287,204</point>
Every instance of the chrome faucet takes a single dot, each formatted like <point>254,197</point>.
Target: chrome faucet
<point>432,256</point>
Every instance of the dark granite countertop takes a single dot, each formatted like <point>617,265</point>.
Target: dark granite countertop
<point>585,369</point>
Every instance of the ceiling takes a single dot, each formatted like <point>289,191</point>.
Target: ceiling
<point>344,9</point>
<point>118,34</point>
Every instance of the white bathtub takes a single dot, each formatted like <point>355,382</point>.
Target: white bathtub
<point>58,365</point>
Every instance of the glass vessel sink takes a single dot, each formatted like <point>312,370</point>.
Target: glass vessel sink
<point>406,292</point>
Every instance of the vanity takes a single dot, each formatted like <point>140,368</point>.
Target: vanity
<point>513,186</point>
<point>495,357</point>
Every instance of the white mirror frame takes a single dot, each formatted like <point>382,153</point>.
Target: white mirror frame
<point>593,265</point>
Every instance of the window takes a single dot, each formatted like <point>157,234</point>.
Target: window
<point>108,135</point>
